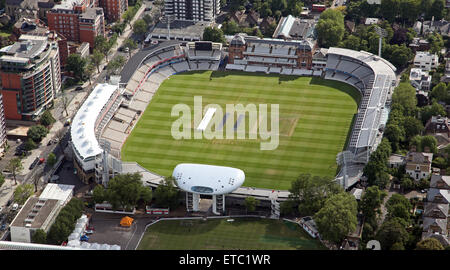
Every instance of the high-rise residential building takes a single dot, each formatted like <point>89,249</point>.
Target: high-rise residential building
<point>113,9</point>
<point>30,76</point>
<point>192,10</point>
<point>77,20</point>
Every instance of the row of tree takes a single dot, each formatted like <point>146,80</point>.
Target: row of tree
<point>333,210</point>
<point>405,11</point>
<point>63,226</point>
<point>127,191</point>
<point>275,8</point>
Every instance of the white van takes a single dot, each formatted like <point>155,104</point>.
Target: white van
<point>15,207</point>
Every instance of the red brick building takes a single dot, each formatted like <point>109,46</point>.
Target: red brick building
<point>113,9</point>
<point>77,20</point>
<point>30,76</point>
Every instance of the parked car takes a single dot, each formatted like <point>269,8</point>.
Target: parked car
<point>1,208</point>
<point>35,162</point>
<point>3,227</point>
<point>89,231</point>
<point>79,88</point>
<point>84,238</point>
<point>15,207</point>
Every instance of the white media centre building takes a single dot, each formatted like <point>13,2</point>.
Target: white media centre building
<point>201,179</point>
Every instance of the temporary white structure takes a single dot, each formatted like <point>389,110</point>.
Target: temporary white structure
<point>85,245</point>
<point>95,246</point>
<point>115,247</point>
<point>73,243</point>
<point>105,247</point>
<point>74,236</point>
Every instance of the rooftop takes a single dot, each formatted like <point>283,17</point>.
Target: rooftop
<point>57,192</point>
<point>35,212</point>
<point>82,130</point>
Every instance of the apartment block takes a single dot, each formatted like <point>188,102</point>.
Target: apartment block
<point>113,9</point>
<point>192,10</point>
<point>30,76</point>
<point>77,20</point>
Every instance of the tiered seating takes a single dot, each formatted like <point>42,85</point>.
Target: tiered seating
<point>286,71</point>
<point>256,69</point>
<point>181,66</point>
<point>274,70</point>
<point>235,67</point>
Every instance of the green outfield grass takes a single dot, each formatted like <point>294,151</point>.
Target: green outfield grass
<point>219,234</point>
<point>315,119</point>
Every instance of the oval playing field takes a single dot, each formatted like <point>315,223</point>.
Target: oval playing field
<point>315,118</point>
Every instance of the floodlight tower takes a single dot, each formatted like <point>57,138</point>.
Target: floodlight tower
<point>382,33</point>
<point>106,146</point>
<point>168,19</point>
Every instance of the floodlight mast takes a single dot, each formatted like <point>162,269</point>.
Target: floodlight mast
<point>382,33</point>
<point>168,19</point>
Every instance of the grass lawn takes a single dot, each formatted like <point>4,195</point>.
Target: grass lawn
<point>219,234</point>
<point>315,120</point>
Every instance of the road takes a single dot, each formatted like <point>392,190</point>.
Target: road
<point>75,98</point>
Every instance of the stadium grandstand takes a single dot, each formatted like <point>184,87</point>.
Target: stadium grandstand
<point>118,109</point>
<point>375,78</point>
<point>252,54</point>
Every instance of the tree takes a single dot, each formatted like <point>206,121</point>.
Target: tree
<point>434,110</point>
<point>96,59</point>
<point>330,28</point>
<point>130,44</point>
<point>405,95</point>
<point>39,237</point>
<point>437,9</point>
<point>148,19</point>
<point>398,206</point>
<point>310,192</point>
<point>337,218</point>
<point>89,71</point>
<point>99,194</point>
<point>65,103</point>
<point>75,64</point>
<point>429,244</point>
<point>390,9</point>
<point>36,133</point>
<point>392,231</point>
<point>166,194</point>
<point>439,92</point>
<point>65,222</point>
<point>251,203</point>
<point>22,193</point>
<point>102,45</point>
<point>412,127</point>
<point>127,16</point>
<point>2,179</point>
<point>116,64</point>
<point>213,34</point>
<point>30,145</point>
<point>125,190</point>
<point>371,201</point>
<point>15,167</point>
<point>140,27</point>
<point>51,159</point>
<point>47,119</point>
